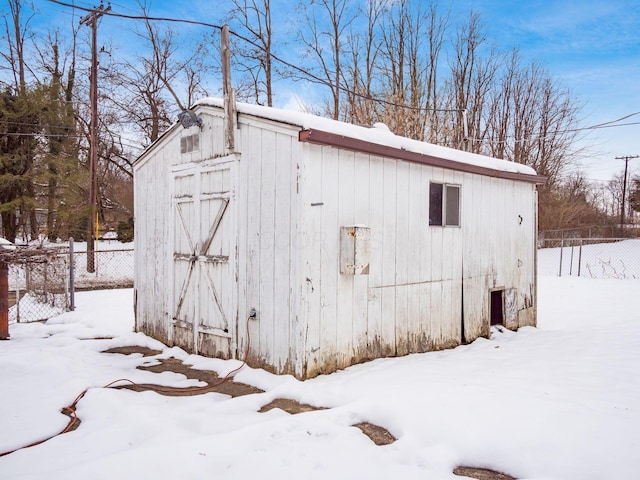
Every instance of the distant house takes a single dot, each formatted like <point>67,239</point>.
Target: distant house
<point>313,245</point>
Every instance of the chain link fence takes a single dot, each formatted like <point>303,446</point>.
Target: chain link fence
<point>590,257</point>
<point>113,269</point>
<point>38,284</point>
<point>42,281</point>
<point>592,232</point>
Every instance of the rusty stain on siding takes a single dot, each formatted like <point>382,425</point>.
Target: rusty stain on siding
<point>213,346</point>
<point>183,337</point>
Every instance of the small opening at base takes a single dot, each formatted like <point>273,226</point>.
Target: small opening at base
<point>497,313</point>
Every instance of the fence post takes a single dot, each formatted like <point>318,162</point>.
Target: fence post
<point>4,301</point>
<point>72,279</point>
<point>17,295</point>
<point>571,262</point>
<point>561,248</point>
<point>580,256</point>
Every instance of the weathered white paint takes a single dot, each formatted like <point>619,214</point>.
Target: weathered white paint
<point>276,249</point>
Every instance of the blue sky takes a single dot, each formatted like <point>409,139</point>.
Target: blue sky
<point>589,46</point>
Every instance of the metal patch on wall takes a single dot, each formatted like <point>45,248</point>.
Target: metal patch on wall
<point>354,250</point>
<point>511,307</point>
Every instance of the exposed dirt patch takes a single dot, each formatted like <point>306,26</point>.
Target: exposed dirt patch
<point>481,474</point>
<point>289,406</point>
<point>379,435</point>
<point>213,381</point>
<point>146,352</point>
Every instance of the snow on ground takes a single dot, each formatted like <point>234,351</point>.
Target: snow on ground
<point>619,259</point>
<point>561,401</point>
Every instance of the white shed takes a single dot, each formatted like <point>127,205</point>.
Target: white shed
<point>348,243</point>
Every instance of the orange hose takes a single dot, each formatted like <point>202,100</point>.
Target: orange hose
<point>70,410</point>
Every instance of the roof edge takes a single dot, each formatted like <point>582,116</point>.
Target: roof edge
<point>320,137</point>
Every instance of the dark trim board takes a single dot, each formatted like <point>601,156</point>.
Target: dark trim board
<point>320,137</point>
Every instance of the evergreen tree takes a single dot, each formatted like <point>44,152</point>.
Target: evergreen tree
<point>19,125</point>
<point>634,194</point>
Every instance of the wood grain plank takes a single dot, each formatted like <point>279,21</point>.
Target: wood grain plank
<point>282,254</point>
<point>388,296</point>
<point>403,248</point>
<point>329,258</point>
<point>344,282</point>
<point>376,222</point>
<point>361,216</point>
<point>266,246</point>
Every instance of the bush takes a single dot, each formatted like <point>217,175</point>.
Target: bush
<point>125,231</point>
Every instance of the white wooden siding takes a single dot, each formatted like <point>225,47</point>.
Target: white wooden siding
<point>267,251</point>
<point>153,276</point>
<point>288,201</point>
<point>419,275</point>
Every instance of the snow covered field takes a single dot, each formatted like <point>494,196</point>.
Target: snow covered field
<point>561,401</point>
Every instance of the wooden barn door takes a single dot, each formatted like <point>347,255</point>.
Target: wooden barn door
<point>203,261</point>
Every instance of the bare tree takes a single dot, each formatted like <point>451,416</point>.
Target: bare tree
<point>540,130</point>
<point>323,31</point>
<point>163,80</point>
<point>360,68</point>
<point>634,193</point>
<point>401,68</point>
<point>412,40</point>
<point>474,65</point>
<point>15,32</point>
<point>437,27</point>
<point>614,188</point>
<point>253,58</point>
<point>571,204</point>
<point>499,110</point>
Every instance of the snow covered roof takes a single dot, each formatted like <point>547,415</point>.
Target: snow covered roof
<point>336,132</point>
<point>6,244</point>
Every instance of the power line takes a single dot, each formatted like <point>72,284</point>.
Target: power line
<point>592,127</point>
<point>319,80</point>
<point>25,124</point>
<point>140,17</point>
<point>568,130</point>
<point>618,120</point>
<point>62,135</point>
<point>47,135</point>
<point>271,54</point>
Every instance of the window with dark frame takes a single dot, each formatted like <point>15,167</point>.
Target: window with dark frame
<point>435,204</point>
<point>444,205</point>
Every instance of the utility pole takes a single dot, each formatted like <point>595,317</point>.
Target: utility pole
<point>624,188</point>
<point>91,19</point>
<point>465,129</point>
<point>228,93</point>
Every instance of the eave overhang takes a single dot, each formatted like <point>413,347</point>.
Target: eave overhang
<point>320,137</point>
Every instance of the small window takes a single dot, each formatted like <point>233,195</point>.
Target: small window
<point>190,143</point>
<point>444,205</point>
<point>435,204</point>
